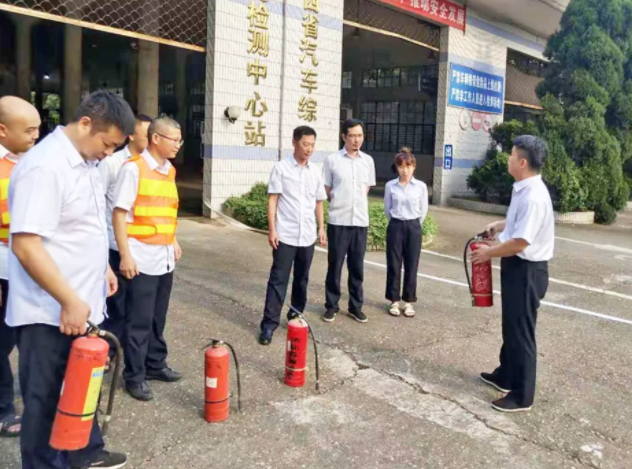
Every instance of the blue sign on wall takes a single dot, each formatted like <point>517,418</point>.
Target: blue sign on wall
<point>479,91</point>
<point>448,155</point>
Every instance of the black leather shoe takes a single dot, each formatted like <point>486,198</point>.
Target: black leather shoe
<point>509,404</point>
<point>166,374</point>
<point>265,337</point>
<point>139,391</point>
<point>493,381</point>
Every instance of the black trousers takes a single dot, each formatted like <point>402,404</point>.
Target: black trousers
<point>403,242</point>
<point>144,345</point>
<point>283,258</point>
<point>349,241</point>
<point>43,357</point>
<point>117,304</point>
<point>523,286</point>
<point>7,343</point>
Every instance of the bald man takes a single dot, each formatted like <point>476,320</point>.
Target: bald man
<point>19,130</point>
<point>144,220</point>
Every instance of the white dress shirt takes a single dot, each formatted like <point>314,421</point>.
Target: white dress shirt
<point>4,249</point>
<point>407,202</point>
<point>349,179</point>
<point>55,194</point>
<point>299,188</point>
<point>151,259</point>
<point>530,217</point>
<point>109,169</point>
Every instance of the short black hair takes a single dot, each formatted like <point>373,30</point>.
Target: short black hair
<point>303,131</point>
<point>106,109</point>
<point>350,124</point>
<point>533,149</point>
<point>143,118</point>
<point>161,122</point>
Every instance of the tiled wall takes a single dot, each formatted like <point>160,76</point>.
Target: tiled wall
<point>230,166</point>
<point>482,47</point>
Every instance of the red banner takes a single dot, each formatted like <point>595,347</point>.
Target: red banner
<point>440,11</point>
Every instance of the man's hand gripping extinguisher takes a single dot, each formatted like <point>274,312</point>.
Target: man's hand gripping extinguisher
<point>296,352</point>
<point>81,390</point>
<point>480,284</point>
<point>217,381</point>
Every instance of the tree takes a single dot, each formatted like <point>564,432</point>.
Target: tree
<point>587,96</point>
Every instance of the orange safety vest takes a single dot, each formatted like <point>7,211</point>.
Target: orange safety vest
<point>156,206</point>
<point>6,167</point>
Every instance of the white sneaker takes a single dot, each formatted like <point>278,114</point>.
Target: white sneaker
<point>394,311</point>
<point>409,311</point>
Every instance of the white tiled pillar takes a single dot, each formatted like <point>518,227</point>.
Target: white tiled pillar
<point>231,166</point>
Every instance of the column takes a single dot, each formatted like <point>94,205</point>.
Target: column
<point>73,54</point>
<point>23,54</point>
<point>181,95</point>
<point>148,77</point>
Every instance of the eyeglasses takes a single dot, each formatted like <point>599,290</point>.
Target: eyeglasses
<point>174,140</point>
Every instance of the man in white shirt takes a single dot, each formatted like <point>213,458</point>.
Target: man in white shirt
<point>295,192</point>
<point>527,240</point>
<point>144,219</point>
<point>19,130</point>
<point>348,176</point>
<point>58,266</point>
<point>109,169</point>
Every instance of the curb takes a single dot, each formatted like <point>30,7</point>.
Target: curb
<point>569,218</point>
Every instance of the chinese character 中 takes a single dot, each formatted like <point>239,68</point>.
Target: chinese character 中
<point>308,46</point>
<point>310,26</point>
<point>309,80</point>
<point>259,42</point>
<point>257,70</point>
<point>256,106</point>
<point>307,109</point>
<point>313,5</point>
<point>254,135</point>
<point>258,16</point>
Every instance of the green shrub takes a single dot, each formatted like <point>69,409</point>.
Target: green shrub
<point>251,209</point>
<point>490,181</point>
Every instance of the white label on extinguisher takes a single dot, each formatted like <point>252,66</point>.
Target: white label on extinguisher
<point>211,382</point>
<point>289,345</point>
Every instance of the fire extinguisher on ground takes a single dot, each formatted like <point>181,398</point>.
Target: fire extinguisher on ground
<point>81,390</point>
<point>217,381</point>
<point>480,283</point>
<point>296,352</point>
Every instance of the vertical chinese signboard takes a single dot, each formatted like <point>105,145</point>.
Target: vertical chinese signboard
<point>478,91</point>
<point>259,39</point>
<point>441,11</point>
<point>307,105</point>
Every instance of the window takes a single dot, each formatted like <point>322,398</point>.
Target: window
<point>392,125</point>
<point>347,80</point>
<point>422,77</point>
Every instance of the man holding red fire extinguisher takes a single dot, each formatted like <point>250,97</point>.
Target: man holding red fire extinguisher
<point>527,240</point>
<point>58,266</point>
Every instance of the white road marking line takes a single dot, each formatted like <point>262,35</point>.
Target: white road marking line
<point>496,292</point>
<point>604,247</point>
<point>552,280</point>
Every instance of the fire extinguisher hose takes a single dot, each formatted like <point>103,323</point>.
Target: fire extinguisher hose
<point>467,269</point>
<point>115,374</point>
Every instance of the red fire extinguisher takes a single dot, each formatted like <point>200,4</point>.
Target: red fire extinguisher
<point>480,284</point>
<point>81,390</point>
<point>217,381</point>
<point>296,352</point>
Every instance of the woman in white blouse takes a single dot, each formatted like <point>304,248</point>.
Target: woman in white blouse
<point>406,206</point>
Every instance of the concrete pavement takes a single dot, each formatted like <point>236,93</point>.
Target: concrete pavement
<point>396,392</point>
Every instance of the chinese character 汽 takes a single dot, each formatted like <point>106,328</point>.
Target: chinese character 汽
<point>256,106</point>
<point>313,5</point>
<point>258,16</point>
<point>254,135</point>
<point>307,109</point>
<point>259,42</point>
<point>257,70</point>
<point>309,80</point>
<point>434,7</point>
<point>308,46</point>
<point>310,26</point>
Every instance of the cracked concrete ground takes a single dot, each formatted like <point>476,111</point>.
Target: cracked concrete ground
<point>395,392</point>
